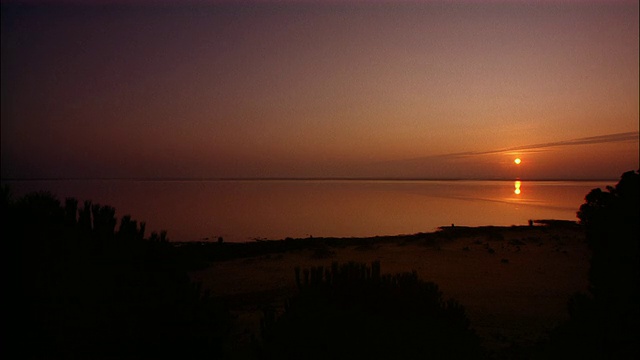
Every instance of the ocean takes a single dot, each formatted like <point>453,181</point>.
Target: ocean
<point>248,210</point>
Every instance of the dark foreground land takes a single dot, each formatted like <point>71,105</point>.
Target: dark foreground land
<point>514,282</point>
<point>77,287</point>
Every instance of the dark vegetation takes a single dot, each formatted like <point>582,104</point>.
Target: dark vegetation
<point>352,311</point>
<point>79,284</point>
<point>605,323</point>
<point>77,287</point>
<point>84,285</point>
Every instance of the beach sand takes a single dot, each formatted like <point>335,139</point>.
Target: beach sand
<point>515,282</point>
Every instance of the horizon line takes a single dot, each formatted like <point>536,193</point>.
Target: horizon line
<point>276,178</point>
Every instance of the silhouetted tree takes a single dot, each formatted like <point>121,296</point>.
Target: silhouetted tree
<point>612,221</point>
<point>605,324</point>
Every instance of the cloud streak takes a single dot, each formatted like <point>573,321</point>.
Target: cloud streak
<point>601,139</point>
<point>464,164</point>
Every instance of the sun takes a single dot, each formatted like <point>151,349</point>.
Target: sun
<point>517,161</point>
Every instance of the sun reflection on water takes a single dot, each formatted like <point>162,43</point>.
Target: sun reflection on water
<point>517,185</point>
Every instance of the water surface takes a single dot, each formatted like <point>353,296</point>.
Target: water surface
<point>275,209</point>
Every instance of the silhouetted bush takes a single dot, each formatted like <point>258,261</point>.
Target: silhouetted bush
<point>78,290</point>
<point>353,311</point>
<point>605,324</point>
<point>84,217</point>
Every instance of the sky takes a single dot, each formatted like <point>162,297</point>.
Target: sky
<point>309,89</point>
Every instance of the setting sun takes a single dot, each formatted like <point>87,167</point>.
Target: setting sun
<point>517,161</point>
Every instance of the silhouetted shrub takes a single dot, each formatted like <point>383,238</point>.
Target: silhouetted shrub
<point>612,221</point>
<point>104,220</point>
<point>353,311</point>
<point>606,323</point>
<point>71,211</point>
<point>75,292</point>
<point>84,217</point>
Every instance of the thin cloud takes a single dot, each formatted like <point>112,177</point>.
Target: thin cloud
<point>601,139</point>
<point>533,148</point>
<point>464,164</point>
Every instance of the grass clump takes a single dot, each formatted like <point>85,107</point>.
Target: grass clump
<point>353,311</point>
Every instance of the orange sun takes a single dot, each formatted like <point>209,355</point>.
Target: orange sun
<point>517,161</point>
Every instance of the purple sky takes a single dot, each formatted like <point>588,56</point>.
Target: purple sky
<point>308,89</point>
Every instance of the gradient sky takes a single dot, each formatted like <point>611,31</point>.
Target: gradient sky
<point>313,89</point>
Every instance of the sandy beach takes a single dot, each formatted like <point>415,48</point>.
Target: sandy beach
<point>514,282</point>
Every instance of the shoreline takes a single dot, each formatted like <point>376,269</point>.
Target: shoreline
<point>231,250</point>
<point>514,281</point>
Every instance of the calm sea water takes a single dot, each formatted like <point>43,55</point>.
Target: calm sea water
<point>246,210</point>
